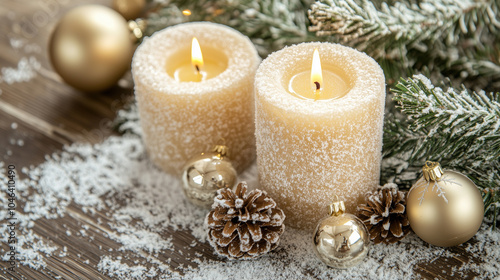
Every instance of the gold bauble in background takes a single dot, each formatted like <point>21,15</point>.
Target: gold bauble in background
<point>129,9</point>
<point>91,47</point>
<point>204,174</point>
<point>341,240</point>
<point>445,208</point>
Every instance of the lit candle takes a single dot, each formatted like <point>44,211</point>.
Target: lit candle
<point>196,70</point>
<point>310,84</point>
<point>192,93</point>
<point>318,129</point>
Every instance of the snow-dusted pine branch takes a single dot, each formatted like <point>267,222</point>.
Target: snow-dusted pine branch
<point>406,36</point>
<point>385,30</point>
<point>458,128</point>
<point>472,119</point>
<point>454,38</point>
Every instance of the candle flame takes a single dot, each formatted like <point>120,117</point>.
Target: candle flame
<point>316,72</point>
<point>196,56</point>
<point>186,12</point>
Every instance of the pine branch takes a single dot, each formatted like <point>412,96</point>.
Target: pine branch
<point>398,165</point>
<point>450,37</point>
<point>470,119</point>
<point>477,60</point>
<point>459,129</point>
<point>382,31</point>
<point>491,199</point>
<point>272,24</point>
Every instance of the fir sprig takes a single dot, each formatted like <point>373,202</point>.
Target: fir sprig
<point>453,38</point>
<point>362,25</point>
<point>459,128</point>
<point>468,119</point>
<point>447,36</point>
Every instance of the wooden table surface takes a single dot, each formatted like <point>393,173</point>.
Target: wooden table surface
<point>50,114</point>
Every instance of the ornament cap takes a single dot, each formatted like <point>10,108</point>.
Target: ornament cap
<point>137,28</point>
<point>205,174</point>
<point>337,207</point>
<point>432,171</point>
<point>222,150</point>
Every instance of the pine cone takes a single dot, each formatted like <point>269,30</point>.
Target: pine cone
<point>385,214</point>
<point>244,225</point>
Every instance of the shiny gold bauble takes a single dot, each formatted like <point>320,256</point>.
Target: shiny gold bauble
<point>341,240</point>
<point>444,208</point>
<point>203,175</point>
<point>91,47</point>
<point>129,9</point>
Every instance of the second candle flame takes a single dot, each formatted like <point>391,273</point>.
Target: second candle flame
<point>316,72</point>
<point>196,56</point>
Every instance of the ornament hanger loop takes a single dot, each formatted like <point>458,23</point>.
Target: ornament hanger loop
<point>337,207</point>
<point>137,28</point>
<point>222,150</point>
<point>432,171</point>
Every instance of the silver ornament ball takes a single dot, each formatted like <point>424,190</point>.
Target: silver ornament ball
<point>203,175</point>
<point>341,240</point>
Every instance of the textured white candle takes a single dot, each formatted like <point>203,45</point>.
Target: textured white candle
<point>183,119</point>
<point>308,151</point>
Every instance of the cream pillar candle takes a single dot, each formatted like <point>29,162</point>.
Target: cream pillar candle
<point>311,147</point>
<point>184,113</point>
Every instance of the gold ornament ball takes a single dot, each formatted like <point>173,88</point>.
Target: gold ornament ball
<point>447,211</point>
<point>129,9</point>
<point>203,175</point>
<point>91,47</point>
<point>341,240</point>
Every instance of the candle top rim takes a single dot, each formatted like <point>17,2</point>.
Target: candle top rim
<point>148,64</point>
<point>365,86</point>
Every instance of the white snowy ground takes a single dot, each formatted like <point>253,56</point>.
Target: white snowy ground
<point>94,176</point>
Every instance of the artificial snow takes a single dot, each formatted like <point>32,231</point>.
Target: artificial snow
<point>25,71</point>
<point>141,202</point>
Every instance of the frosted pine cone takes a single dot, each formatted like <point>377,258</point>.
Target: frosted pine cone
<point>244,225</point>
<point>385,214</point>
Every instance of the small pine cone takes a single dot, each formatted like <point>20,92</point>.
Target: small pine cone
<point>244,225</point>
<point>385,214</point>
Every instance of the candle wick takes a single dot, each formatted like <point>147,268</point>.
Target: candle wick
<point>197,68</point>
<point>318,86</point>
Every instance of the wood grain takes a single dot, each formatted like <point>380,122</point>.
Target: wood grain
<point>46,114</point>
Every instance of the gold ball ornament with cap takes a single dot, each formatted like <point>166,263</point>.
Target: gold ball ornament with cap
<point>204,174</point>
<point>129,9</point>
<point>92,47</point>
<point>341,240</point>
<point>444,208</point>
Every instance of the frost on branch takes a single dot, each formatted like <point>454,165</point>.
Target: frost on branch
<point>362,24</point>
<point>458,128</point>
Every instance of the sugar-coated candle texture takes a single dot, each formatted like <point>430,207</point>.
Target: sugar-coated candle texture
<point>182,119</point>
<point>308,151</point>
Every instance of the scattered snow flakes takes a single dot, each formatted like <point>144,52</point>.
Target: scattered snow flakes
<point>144,210</point>
<point>25,71</point>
